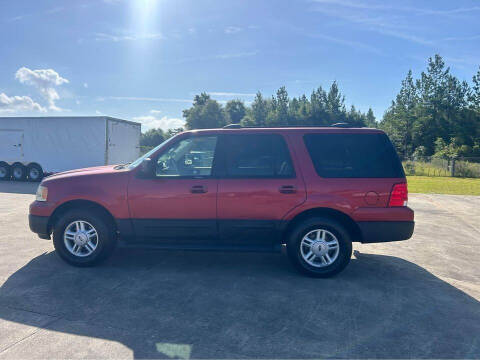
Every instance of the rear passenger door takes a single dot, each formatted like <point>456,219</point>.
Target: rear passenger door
<point>259,183</point>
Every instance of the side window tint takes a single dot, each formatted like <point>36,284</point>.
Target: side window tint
<point>257,156</point>
<point>188,157</point>
<point>361,155</point>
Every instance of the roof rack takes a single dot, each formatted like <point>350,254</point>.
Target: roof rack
<point>341,125</point>
<point>233,126</point>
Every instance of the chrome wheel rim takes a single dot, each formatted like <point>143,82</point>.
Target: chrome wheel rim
<point>319,248</point>
<point>80,238</point>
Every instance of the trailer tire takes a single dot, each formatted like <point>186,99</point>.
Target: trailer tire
<point>34,172</point>
<point>19,172</point>
<point>4,171</point>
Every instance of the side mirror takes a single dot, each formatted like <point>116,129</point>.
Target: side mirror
<point>147,168</point>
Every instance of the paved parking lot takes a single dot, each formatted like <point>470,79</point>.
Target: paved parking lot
<point>417,298</point>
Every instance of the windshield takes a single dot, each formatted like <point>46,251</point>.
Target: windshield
<point>137,162</point>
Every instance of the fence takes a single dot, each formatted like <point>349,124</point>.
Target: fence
<point>431,166</point>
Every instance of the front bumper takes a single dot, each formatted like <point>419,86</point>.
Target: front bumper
<point>39,225</point>
<point>385,231</point>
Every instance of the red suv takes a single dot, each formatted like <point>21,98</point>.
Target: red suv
<point>314,190</point>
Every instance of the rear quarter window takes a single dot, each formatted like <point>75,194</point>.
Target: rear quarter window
<point>367,155</point>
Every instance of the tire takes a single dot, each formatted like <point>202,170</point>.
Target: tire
<point>4,171</point>
<point>34,172</point>
<point>19,172</point>
<point>311,259</point>
<point>104,240</point>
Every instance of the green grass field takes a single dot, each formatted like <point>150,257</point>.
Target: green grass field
<point>443,185</point>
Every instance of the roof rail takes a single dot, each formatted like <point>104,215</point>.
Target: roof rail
<point>233,126</point>
<point>341,125</point>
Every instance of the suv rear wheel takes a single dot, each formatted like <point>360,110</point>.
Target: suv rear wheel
<point>319,247</point>
<point>83,238</point>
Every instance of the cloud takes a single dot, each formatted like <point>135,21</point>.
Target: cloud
<point>349,43</point>
<point>218,93</point>
<point>135,98</point>
<point>236,55</point>
<point>85,85</point>
<point>12,104</point>
<point>165,123</point>
<point>46,12</point>
<point>45,80</point>
<point>232,30</point>
<point>462,38</point>
<point>128,37</point>
<point>409,9</point>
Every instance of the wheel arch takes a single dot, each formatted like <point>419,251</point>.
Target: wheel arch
<point>341,217</point>
<point>80,204</point>
<point>34,163</point>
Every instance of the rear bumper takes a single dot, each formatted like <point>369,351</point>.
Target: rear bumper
<point>385,231</point>
<point>39,225</point>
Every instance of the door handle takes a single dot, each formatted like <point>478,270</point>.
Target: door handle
<point>287,189</point>
<point>198,189</point>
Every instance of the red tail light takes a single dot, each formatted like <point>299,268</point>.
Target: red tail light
<point>399,195</point>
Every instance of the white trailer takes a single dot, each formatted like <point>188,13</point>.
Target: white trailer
<point>33,146</point>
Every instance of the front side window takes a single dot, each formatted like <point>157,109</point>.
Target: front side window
<point>190,157</point>
<point>257,156</point>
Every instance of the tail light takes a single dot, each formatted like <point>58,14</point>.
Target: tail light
<point>399,195</point>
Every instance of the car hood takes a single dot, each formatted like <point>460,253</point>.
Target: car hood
<point>108,169</point>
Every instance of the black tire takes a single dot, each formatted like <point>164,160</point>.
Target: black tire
<point>34,172</point>
<point>18,171</point>
<point>4,171</point>
<point>301,230</point>
<point>106,237</point>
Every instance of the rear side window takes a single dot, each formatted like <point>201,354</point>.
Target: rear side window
<point>257,156</point>
<point>353,155</point>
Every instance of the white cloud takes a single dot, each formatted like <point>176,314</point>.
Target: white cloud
<point>222,93</point>
<point>232,30</point>
<point>236,55</point>
<point>45,80</point>
<point>128,37</point>
<point>152,121</point>
<point>136,98</point>
<point>11,104</point>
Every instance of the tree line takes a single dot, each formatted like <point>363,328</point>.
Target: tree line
<point>436,114</point>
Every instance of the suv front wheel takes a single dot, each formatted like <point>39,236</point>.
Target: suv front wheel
<point>319,247</point>
<point>83,238</point>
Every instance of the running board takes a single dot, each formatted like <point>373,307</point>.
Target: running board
<point>198,247</point>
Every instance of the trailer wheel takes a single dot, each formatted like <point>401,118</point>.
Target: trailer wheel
<point>34,172</point>
<point>4,171</point>
<point>19,173</point>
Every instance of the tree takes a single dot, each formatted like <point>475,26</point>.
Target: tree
<point>437,111</point>
<point>235,111</point>
<point>205,113</point>
<point>370,119</point>
<point>259,110</point>
<point>152,137</point>
<point>335,104</point>
<point>475,94</point>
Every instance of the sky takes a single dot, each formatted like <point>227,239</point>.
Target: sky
<point>144,60</point>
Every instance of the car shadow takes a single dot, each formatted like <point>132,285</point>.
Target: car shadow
<point>236,305</point>
<point>18,187</point>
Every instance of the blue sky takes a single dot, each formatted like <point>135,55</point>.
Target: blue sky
<point>144,60</point>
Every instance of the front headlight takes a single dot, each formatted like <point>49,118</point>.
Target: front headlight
<point>42,193</point>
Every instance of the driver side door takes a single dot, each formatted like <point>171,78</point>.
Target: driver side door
<point>178,204</point>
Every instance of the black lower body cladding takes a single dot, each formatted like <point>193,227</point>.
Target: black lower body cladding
<point>385,231</point>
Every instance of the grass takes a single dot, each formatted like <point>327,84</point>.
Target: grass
<point>443,185</point>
